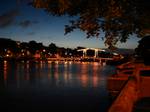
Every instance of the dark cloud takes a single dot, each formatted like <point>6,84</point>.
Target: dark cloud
<point>7,19</point>
<point>31,33</point>
<point>35,22</point>
<point>27,23</point>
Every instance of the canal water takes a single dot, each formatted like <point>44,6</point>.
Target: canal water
<point>54,86</point>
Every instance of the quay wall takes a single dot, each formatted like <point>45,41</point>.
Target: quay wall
<point>126,99</point>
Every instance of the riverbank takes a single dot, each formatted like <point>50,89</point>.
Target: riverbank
<point>134,92</point>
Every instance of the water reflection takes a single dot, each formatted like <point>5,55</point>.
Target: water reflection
<point>5,70</point>
<point>66,74</point>
<point>71,83</point>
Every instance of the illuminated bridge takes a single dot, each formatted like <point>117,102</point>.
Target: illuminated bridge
<point>97,51</point>
<point>98,55</point>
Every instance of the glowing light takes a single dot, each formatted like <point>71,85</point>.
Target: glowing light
<point>70,62</point>
<point>84,80</point>
<point>65,62</point>
<point>44,50</point>
<point>5,70</point>
<point>95,81</point>
<point>7,55</point>
<point>57,62</point>
<point>49,62</point>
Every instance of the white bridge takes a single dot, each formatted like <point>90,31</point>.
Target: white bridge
<point>96,50</point>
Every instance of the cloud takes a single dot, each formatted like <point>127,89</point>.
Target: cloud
<point>27,23</point>
<point>35,22</point>
<point>7,19</point>
<point>31,33</point>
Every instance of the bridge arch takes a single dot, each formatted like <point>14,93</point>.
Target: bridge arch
<point>96,50</point>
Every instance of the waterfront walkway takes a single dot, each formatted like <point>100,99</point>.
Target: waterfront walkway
<point>135,95</point>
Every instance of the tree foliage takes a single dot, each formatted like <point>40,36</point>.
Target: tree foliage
<point>143,49</point>
<point>7,44</point>
<point>117,19</point>
<point>144,44</point>
<point>52,48</point>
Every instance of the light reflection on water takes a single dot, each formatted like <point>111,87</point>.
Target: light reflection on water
<point>81,86</point>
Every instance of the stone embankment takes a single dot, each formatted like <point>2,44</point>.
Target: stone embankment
<point>126,99</point>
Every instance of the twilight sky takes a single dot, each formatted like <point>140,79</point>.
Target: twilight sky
<point>21,22</point>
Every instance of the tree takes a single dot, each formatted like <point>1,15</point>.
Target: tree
<point>34,46</point>
<point>143,49</point>
<point>118,19</point>
<point>8,44</point>
<point>52,48</point>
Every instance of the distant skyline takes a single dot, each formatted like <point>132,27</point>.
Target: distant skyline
<point>21,22</point>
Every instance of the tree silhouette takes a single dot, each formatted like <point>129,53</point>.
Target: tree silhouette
<point>143,49</point>
<point>117,19</point>
<point>8,44</point>
<point>33,46</point>
<point>52,48</point>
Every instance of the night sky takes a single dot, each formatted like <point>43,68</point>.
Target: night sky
<point>20,21</point>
